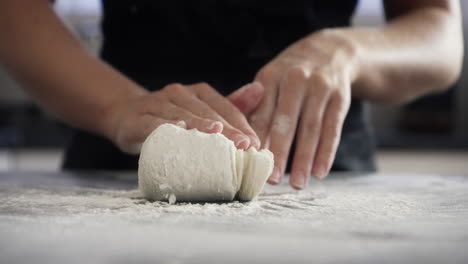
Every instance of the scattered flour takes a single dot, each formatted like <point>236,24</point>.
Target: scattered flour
<point>287,206</point>
<point>282,124</point>
<point>172,198</point>
<point>335,221</point>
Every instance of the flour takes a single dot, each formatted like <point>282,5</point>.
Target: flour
<point>172,198</point>
<point>282,124</point>
<point>399,218</point>
<point>189,165</point>
<point>274,205</point>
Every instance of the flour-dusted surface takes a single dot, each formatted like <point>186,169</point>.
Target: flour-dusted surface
<point>99,218</point>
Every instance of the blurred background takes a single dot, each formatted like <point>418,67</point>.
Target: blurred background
<point>428,135</point>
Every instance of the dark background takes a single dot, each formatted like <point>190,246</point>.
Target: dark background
<point>434,123</point>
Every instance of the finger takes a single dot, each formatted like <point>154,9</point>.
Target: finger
<point>282,132</point>
<point>260,118</point>
<point>307,137</point>
<point>248,97</point>
<point>176,114</point>
<point>184,99</point>
<point>235,120</point>
<point>330,135</point>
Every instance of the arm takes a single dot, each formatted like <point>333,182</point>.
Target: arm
<point>53,67</point>
<point>420,51</point>
<point>308,86</point>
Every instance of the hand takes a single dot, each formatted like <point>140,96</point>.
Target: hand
<point>308,89</point>
<point>193,106</point>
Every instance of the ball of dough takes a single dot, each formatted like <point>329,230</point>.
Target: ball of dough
<point>192,166</point>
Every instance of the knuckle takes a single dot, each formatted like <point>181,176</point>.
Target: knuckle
<point>297,74</point>
<point>320,79</point>
<point>153,103</point>
<point>174,88</point>
<point>280,155</point>
<point>171,111</point>
<point>266,73</point>
<point>343,100</point>
<point>259,121</point>
<point>311,125</point>
<point>203,87</point>
<point>340,98</point>
<point>155,96</point>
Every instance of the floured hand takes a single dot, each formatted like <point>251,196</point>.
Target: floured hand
<point>189,106</point>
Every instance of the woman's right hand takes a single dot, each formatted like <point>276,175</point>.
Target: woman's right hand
<point>189,106</point>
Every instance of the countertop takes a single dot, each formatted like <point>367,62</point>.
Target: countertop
<point>99,217</point>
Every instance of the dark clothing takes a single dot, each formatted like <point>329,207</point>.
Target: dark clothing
<point>223,43</point>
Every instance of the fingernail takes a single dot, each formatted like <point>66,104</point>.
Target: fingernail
<point>298,181</point>
<point>181,124</point>
<point>241,141</point>
<point>217,124</point>
<point>275,177</point>
<point>320,172</point>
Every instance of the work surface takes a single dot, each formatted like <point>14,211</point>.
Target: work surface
<point>100,217</point>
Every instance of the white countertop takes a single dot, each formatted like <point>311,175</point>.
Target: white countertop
<point>98,218</point>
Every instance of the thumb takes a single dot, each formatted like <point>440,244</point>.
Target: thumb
<point>248,97</point>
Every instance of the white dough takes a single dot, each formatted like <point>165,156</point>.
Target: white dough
<point>191,166</point>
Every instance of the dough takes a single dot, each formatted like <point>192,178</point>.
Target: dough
<point>192,166</point>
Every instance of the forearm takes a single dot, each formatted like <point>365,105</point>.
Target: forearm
<point>415,54</point>
<point>53,67</point>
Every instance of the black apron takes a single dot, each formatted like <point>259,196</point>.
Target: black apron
<point>223,43</point>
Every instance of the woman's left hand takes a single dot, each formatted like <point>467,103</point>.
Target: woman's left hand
<point>308,89</point>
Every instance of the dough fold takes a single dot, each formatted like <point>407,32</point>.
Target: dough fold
<point>193,166</point>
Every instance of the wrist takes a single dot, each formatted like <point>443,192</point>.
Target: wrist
<point>117,110</point>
